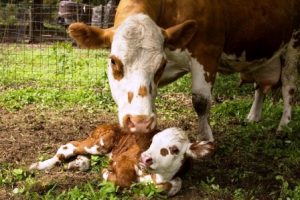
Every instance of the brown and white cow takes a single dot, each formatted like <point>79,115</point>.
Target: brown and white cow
<point>155,42</point>
<point>159,163</point>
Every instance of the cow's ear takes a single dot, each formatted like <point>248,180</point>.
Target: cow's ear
<point>200,150</point>
<point>91,37</point>
<point>180,35</point>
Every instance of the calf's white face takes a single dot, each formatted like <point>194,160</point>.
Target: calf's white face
<point>136,63</point>
<point>168,150</point>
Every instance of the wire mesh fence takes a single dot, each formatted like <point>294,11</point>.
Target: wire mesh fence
<point>35,48</point>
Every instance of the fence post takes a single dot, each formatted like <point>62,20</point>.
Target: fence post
<point>36,21</point>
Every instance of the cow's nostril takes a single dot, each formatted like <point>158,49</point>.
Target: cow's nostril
<point>139,123</point>
<point>128,122</point>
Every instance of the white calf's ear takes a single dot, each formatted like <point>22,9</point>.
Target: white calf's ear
<point>200,150</point>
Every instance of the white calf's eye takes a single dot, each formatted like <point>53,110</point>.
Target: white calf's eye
<point>174,149</point>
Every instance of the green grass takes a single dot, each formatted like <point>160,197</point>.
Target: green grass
<point>251,161</point>
<point>52,65</point>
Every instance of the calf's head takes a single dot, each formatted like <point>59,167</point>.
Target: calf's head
<point>169,149</point>
<point>136,63</point>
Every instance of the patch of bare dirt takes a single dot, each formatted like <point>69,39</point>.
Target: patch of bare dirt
<point>30,132</point>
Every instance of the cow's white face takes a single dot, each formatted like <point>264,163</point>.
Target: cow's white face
<point>136,63</point>
<point>166,152</point>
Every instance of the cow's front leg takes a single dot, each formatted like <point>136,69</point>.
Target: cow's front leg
<point>201,98</point>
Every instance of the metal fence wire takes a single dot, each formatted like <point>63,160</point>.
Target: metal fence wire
<point>35,48</point>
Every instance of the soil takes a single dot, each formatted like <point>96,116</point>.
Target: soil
<point>32,132</point>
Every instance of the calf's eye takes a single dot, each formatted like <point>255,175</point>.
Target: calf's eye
<point>174,150</point>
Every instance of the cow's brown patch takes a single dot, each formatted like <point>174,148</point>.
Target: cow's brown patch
<point>61,157</point>
<point>130,97</point>
<point>174,150</point>
<point>160,71</point>
<point>143,91</point>
<point>164,152</point>
<point>117,68</point>
<point>65,147</point>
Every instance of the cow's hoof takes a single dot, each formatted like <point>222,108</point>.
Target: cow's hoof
<point>253,118</point>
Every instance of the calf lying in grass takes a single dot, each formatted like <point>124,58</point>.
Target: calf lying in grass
<point>159,164</point>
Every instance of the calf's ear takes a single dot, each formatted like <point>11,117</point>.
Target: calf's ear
<point>178,36</point>
<point>200,150</point>
<point>91,37</point>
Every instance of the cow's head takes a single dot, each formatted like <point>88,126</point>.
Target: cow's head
<point>169,149</point>
<point>136,63</point>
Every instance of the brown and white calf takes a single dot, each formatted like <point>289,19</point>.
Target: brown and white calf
<point>162,160</point>
<point>166,156</point>
<point>155,42</point>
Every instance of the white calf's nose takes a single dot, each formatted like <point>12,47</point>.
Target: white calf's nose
<point>146,160</point>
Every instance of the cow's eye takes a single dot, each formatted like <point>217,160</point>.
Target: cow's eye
<point>174,149</point>
<point>117,67</point>
<point>112,61</point>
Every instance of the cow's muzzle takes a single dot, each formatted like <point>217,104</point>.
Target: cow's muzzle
<point>139,123</point>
